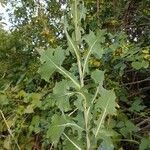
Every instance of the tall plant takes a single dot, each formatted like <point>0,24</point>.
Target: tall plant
<point>82,104</point>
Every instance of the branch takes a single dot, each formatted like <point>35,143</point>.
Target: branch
<point>9,130</point>
<point>137,82</point>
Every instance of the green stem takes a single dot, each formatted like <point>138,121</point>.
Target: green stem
<point>86,129</point>
<point>86,114</point>
<point>75,49</point>
<point>76,20</point>
<point>77,30</point>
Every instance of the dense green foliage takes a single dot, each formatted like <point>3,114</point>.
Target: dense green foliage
<point>75,75</point>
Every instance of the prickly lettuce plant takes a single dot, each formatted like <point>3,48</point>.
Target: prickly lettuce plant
<point>82,106</point>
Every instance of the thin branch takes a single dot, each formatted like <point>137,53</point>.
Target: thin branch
<point>143,122</point>
<point>127,140</point>
<point>136,25</point>
<point>97,5</point>
<point>51,146</point>
<point>9,130</point>
<point>136,82</point>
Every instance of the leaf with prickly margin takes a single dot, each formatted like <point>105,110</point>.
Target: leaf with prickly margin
<point>95,48</point>
<point>107,105</point>
<point>101,35</point>
<point>79,119</point>
<point>79,102</point>
<point>94,43</point>
<point>52,60</point>
<point>48,59</point>
<point>55,129</point>
<point>98,76</point>
<point>61,92</point>
<point>107,102</point>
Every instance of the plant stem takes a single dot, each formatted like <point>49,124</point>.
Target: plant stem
<point>86,129</point>
<point>77,30</point>
<point>81,74</point>
<point>76,20</point>
<point>76,51</point>
<point>86,114</point>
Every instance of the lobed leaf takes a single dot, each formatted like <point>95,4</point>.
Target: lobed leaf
<point>55,129</point>
<point>47,57</point>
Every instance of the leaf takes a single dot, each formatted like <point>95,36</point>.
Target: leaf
<point>94,43</point>
<point>106,144</point>
<point>145,51</point>
<point>3,99</point>
<point>34,126</point>
<point>137,106</point>
<point>29,109</point>
<point>74,142</point>
<point>60,92</point>
<point>98,76</point>
<point>95,48</point>
<point>7,143</point>
<point>68,146</point>
<point>145,144</point>
<point>52,60</point>
<point>80,121</point>
<point>138,65</point>
<point>47,57</point>
<point>48,102</point>
<point>36,99</point>
<point>130,127</point>
<point>107,104</point>
<point>79,102</point>
<point>55,129</point>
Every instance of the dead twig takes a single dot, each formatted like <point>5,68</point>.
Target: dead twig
<point>9,130</point>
